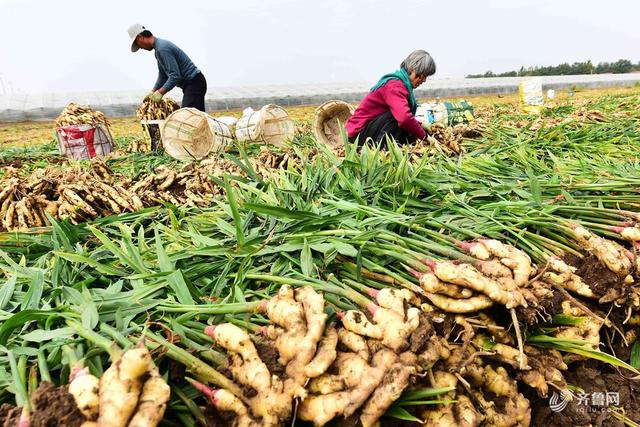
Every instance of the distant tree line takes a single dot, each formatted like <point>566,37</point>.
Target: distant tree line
<point>619,67</point>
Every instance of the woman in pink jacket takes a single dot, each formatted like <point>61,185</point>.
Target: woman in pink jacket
<point>389,109</point>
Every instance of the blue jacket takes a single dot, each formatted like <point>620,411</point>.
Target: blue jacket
<point>174,66</point>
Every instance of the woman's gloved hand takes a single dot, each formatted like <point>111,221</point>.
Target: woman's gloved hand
<point>432,127</point>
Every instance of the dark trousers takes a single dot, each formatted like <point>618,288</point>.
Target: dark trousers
<point>377,130</point>
<point>194,91</point>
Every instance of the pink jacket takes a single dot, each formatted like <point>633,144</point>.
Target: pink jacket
<point>394,97</point>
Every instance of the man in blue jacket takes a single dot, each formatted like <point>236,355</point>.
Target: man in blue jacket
<point>174,68</point>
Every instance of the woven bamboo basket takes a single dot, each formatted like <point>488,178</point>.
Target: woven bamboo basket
<point>271,125</point>
<point>328,120</point>
<point>189,134</point>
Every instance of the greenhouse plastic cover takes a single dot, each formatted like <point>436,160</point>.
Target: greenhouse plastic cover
<point>27,107</point>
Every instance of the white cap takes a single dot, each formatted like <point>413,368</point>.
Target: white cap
<point>134,31</point>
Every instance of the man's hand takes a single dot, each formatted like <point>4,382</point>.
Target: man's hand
<point>148,96</point>
<point>156,96</point>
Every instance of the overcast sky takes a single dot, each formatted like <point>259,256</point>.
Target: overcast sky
<point>73,45</point>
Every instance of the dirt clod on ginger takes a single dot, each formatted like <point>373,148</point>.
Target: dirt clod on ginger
<point>599,278</point>
<point>268,354</point>
<point>9,415</point>
<point>216,418</point>
<point>54,406</point>
<point>421,335</point>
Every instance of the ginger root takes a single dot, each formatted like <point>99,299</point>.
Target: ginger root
<point>393,324</point>
<point>587,330</point>
<point>505,353</point>
<point>610,253</point>
<point>350,367</point>
<point>153,400</point>
<point>84,388</point>
<point>546,366</point>
<point>564,275</point>
<point>325,355</point>
<point>459,306</point>
<point>304,348</point>
<point>322,408</point>
<point>354,342</point>
<point>468,276</point>
<point>431,284</point>
<point>394,383</point>
<point>120,386</point>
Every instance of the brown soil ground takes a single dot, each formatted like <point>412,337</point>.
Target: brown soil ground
<point>18,163</point>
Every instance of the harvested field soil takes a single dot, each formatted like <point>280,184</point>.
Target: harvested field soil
<point>587,407</point>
